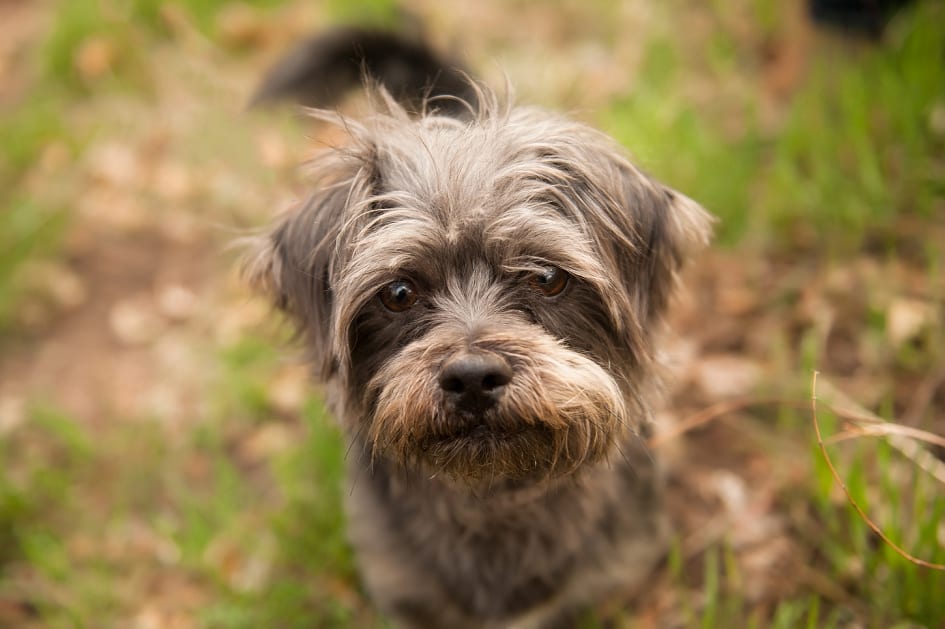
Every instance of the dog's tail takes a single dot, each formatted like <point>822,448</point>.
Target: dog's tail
<point>321,70</point>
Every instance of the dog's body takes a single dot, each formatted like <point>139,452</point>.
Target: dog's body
<point>481,293</point>
<point>435,556</point>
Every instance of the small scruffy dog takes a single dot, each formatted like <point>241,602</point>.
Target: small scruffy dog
<point>481,287</point>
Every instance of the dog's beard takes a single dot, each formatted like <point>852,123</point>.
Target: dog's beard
<point>559,411</point>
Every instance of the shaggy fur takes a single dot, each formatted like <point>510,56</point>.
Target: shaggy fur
<point>425,254</point>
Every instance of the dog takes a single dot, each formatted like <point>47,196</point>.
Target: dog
<point>481,286</point>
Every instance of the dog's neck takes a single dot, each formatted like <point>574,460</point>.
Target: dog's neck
<point>496,496</point>
<point>525,538</point>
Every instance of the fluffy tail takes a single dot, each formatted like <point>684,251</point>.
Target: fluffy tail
<point>320,71</point>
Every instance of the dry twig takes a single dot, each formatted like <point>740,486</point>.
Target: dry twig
<point>846,491</point>
<point>714,412</point>
<point>901,437</point>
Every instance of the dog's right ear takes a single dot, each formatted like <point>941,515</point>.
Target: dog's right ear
<point>293,263</point>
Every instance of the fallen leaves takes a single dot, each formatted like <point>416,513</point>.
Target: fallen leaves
<point>244,563</point>
<point>64,287</point>
<point>265,442</point>
<point>95,57</point>
<point>12,413</point>
<point>906,318</point>
<point>134,321</point>
<point>289,388</point>
<point>114,163</point>
<point>173,182</point>
<point>176,302</point>
<point>240,26</point>
<point>727,375</point>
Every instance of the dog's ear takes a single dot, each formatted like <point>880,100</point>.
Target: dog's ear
<point>665,229</point>
<point>293,263</point>
<point>680,228</point>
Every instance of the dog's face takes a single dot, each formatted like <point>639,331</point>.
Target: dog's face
<point>483,293</point>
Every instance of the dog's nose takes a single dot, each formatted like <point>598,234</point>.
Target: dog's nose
<point>475,381</point>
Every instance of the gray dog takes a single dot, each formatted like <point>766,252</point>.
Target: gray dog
<point>481,287</point>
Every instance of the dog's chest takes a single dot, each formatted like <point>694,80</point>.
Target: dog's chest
<point>501,565</point>
<point>488,558</point>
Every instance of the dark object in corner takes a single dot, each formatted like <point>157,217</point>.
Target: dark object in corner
<point>865,18</point>
<point>323,68</point>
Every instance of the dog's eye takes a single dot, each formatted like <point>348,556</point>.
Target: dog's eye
<point>399,295</point>
<point>550,281</point>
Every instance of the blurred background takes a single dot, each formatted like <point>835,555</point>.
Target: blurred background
<point>164,459</point>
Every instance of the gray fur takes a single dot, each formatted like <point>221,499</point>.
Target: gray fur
<point>547,501</point>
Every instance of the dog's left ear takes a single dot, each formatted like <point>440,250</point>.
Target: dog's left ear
<point>687,227</point>
<point>671,228</point>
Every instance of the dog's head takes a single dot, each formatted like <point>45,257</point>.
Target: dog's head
<point>483,292</point>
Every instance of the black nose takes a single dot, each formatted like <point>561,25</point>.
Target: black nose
<point>475,381</point>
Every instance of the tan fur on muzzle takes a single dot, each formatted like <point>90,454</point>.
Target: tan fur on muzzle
<point>559,411</point>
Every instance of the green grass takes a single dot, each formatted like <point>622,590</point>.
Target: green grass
<point>128,28</point>
<point>27,129</point>
<point>28,231</point>
<point>194,493</point>
<point>361,12</point>
<point>873,158</point>
<point>683,146</point>
<point>888,590</point>
<point>313,560</point>
<point>856,155</point>
<point>77,23</point>
<point>304,524</point>
<point>30,226</point>
<point>908,510</point>
<point>40,469</point>
<point>36,472</point>
<point>243,388</point>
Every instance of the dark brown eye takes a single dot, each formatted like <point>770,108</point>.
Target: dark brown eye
<point>399,295</point>
<point>550,281</point>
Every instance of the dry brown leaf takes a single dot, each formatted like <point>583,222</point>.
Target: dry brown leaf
<point>115,209</point>
<point>95,57</point>
<point>176,302</point>
<point>239,25</point>
<point>267,441</point>
<point>60,283</point>
<point>239,317</point>
<point>272,149</point>
<point>135,321</point>
<point>289,388</point>
<point>172,182</point>
<point>114,163</point>
<point>12,413</point>
<point>727,375</point>
<point>906,318</point>
<point>937,120</point>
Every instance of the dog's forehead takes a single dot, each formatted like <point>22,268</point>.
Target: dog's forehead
<point>472,181</point>
<point>441,163</point>
<point>510,193</point>
<point>459,222</point>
